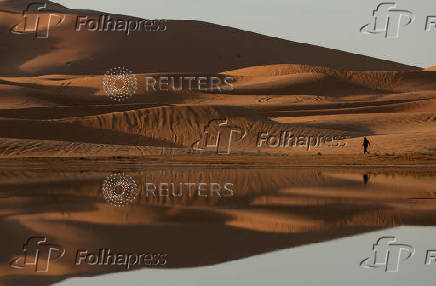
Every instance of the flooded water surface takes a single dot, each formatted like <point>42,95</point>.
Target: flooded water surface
<point>88,221</point>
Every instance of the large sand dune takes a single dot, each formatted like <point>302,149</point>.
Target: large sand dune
<point>186,46</point>
<point>61,135</point>
<point>309,101</point>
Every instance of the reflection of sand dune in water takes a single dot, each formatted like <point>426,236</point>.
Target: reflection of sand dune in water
<point>269,192</point>
<point>271,209</point>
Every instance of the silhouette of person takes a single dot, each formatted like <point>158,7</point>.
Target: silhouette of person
<point>365,178</point>
<point>365,145</point>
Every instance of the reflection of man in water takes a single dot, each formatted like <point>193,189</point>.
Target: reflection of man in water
<point>365,145</point>
<point>365,178</point>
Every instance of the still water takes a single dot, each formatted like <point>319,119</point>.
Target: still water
<point>191,217</point>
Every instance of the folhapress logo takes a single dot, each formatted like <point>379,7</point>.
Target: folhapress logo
<point>388,20</point>
<point>218,136</point>
<point>387,254</point>
<point>38,19</point>
<point>38,254</point>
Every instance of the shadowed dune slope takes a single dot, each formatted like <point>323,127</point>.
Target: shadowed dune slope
<point>186,46</point>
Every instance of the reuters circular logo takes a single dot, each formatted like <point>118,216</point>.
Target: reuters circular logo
<point>119,189</point>
<point>119,83</point>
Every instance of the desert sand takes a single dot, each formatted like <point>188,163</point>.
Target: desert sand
<point>61,135</point>
<point>52,103</point>
<point>70,116</point>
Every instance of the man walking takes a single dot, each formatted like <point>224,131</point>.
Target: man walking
<point>365,145</point>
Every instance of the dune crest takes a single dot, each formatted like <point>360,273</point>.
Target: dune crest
<point>218,49</point>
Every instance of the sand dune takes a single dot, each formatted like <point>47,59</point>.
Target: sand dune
<point>338,80</point>
<point>61,135</point>
<point>62,109</point>
<point>218,49</point>
<point>297,80</point>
